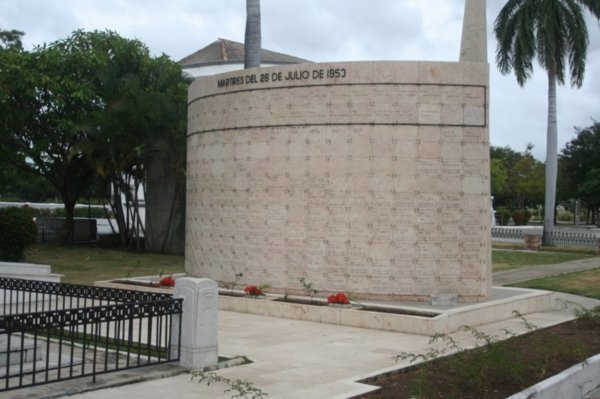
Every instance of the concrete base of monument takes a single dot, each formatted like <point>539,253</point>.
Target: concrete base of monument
<point>423,318</point>
<point>407,317</point>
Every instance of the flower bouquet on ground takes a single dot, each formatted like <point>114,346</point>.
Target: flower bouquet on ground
<point>340,299</point>
<point>167,281</point>
<point>254,291</point>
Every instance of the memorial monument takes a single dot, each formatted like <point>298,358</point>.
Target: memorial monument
<point>369,178</point>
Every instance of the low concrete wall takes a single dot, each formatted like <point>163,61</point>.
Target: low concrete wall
<point>446,321</point>
<point>25,271</point>
<point>28,271</point>
<point>573,383</point>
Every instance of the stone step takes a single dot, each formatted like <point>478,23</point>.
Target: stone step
<point>40,365</point>
<point>27,352</point>
<point>13,355</point>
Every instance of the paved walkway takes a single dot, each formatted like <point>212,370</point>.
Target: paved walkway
<point>296,359</point>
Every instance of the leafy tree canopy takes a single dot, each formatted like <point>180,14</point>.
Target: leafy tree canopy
<point>517,178</point>
<point>554,33</point>
<point>93,104</point>
<point>580,162</point>
<point>11,39</point>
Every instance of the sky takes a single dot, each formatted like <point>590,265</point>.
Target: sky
<point>325,31</point>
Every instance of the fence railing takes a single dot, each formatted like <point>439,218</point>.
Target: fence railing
<point>51,332</point>
<point>515,238</point>
<point>507,238</point>
<point>582,241</point>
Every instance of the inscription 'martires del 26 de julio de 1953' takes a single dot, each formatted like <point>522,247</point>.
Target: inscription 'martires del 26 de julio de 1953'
<point>304,74</point>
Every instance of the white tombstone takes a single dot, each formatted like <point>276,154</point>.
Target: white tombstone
<point>199,342</point>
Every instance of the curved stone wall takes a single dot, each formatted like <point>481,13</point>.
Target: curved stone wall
<point>370,178</point>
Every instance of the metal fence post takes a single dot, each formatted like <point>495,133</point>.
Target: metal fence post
<point>198,334</point>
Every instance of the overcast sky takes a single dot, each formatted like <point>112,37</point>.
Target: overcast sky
<point>327,30</point>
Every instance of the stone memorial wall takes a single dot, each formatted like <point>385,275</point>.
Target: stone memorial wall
<point>370,178</point>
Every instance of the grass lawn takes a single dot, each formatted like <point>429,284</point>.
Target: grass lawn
<point>586,283</point>
<point>506,259</point>
<point>84,264</point>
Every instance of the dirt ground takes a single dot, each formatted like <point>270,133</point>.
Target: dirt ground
<point>498,370</point>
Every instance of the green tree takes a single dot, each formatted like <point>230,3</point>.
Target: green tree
<point>517,178</point>
<point>141,112</point>
<point>555,33</point>
<point>252,40</point>
<point>579,161</point>
<point>93,104</point>
<point>46,102</point>
<point>144,115</point>
<point>21,185</point>
<point>526,180</point>
<point>498,176</point>
<point>590,192</point>
<point>11,39</point>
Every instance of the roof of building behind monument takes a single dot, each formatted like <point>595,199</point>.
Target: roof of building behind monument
<point>226,51</point>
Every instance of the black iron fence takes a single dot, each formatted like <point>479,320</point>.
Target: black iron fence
<point>51,332</point>
<point>515,238</point>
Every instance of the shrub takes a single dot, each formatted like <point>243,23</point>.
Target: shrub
<point>518,217</point>
<point>521,217</point>
<point>502,216</point>
<point>17,231</point>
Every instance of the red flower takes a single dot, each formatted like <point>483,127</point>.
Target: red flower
<point>167,282</point>
<point>253,290</point>
<point>339,298</point>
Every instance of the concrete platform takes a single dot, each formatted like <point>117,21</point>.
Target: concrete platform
<point>290,359</point>
<point>418,318</point>
<point>408,317</point>
<point>295,359</point>
<point>304,359</point>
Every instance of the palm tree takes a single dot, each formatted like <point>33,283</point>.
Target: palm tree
<point>554,32</point>
<point>252,40</point>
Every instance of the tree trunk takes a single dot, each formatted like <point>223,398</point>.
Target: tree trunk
<point>252,41</point>
<point>117,205</point>
<point>551,155</point>
<point>69,228</point>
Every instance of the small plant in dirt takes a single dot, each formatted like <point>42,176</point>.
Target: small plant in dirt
<point>492,360</point>
<point>131,272</point>
<point>239,389</point>
<point>309,287</point>
<point>232,284</point>
<point>591,316</point>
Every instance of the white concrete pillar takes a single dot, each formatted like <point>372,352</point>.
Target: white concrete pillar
<point>199,323</point>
